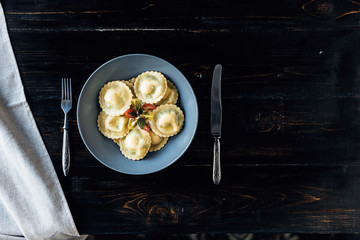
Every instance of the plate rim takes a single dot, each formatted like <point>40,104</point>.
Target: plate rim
<point>193,132</point>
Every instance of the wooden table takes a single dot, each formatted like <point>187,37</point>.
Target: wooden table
<point>291,84</point>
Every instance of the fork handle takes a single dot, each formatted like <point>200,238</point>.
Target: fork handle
<point>66,149</point>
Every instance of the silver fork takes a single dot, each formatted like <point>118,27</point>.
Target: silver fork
<point>66,105</point>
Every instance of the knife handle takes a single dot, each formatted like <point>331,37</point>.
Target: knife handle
<point>216,163</point>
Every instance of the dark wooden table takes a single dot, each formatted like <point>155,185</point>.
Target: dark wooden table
<point>291,101</point>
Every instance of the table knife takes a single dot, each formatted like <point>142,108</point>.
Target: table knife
<point>215,120</point>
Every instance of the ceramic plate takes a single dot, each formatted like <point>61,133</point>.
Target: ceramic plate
<point>104,149</point>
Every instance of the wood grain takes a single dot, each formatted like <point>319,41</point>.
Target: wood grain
<point>261,199</point>
<point>290,142</point>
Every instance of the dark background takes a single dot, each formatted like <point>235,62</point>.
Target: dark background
<point>290,141</point>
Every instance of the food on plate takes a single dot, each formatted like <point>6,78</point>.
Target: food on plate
<point>171,95</point>
<point>130,85</point>
<point>140,114</point>
<point>150,86</point>
<point>136,144</point>
<point>112,126</point>
<point>157,142</point>
<point>132,80</point>
<point>167,121</point>
<point>115,98</point>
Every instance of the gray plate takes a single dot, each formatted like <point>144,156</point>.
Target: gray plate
<point>104,149</point>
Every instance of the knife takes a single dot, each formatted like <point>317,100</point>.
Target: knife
<point>215,121</point>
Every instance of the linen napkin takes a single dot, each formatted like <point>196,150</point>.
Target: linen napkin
<point>32,203</point>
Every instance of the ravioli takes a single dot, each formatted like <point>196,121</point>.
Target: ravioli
<point>167,121</point>
<point>130,85</point>
<point>157,142</point>
<point>136,144</point>
<point>112,126</point>
<point>115,98</point>
<point>171,95</point>
<point>116,140</point>
<point>150,86</point>
<point>132,80</point>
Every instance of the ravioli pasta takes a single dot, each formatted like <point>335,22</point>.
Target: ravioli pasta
<point>112,126</point>
<point>150,86</point>
<point>157,142</point>
<point>136,144</point>
<point>115,98</point>
<point>130,85</point>
<point>171,95</point>
<point>140,114</point>
<point>168,120</point>
<point>132,80</point>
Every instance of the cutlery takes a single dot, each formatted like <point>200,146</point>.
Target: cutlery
<point>215,121</point>
<point>66,104</point>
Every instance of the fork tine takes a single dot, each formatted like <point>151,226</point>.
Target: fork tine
<point>67,89</point>
<point>62,88</point>
<point>70,90</point>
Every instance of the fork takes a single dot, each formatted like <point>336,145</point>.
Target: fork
<point>66,105</point>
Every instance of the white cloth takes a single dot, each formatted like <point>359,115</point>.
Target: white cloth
<point>32,203</point>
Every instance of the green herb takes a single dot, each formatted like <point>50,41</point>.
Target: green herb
<point>141,123</point>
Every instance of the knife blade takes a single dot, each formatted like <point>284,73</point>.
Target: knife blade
<point>216,120</point>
